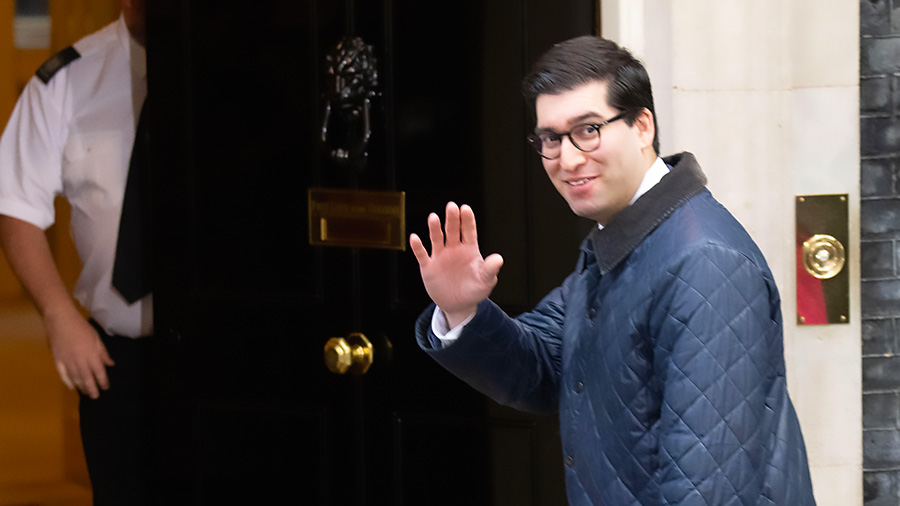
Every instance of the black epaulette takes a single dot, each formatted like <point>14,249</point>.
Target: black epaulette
<point>56,62</point>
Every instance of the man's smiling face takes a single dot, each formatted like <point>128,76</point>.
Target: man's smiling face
<point>600,183</point>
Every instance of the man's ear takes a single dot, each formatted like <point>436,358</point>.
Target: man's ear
<point>646,128</point>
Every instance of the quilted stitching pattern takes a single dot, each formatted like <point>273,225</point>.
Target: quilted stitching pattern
<point>668,371</point>
<point>680,400</point>
<point>716,376</point>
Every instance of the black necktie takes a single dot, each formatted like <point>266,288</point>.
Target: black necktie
<point>132,264</point>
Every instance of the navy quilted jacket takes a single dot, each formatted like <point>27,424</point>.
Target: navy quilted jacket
<point>662,352</point>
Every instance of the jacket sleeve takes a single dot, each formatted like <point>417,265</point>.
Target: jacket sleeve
<point>717,354</point>
<point>515,361</point>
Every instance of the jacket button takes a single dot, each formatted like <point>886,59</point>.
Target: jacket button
<point>579,386</point>
<point>592,313</point>
<point>570,461</point>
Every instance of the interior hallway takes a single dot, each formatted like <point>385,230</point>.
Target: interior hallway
<point>40,454</point>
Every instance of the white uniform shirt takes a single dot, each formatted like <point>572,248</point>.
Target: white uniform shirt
<point>73,136</point>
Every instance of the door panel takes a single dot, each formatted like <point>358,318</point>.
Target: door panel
<point>244,304</point>
<point>244,454</point>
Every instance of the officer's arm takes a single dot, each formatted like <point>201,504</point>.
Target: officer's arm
<point>80,356</point>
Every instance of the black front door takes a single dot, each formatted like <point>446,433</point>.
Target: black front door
<point>245,304</point>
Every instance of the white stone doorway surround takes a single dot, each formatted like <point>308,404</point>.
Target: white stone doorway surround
<point>766,94</point>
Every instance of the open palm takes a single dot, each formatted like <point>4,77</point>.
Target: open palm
<point>455,275</point>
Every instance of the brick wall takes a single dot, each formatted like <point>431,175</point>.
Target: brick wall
<point>880,255</point>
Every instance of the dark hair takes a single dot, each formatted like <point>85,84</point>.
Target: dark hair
<point>586,59</point>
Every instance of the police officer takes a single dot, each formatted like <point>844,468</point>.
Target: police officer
<point>72,134</point>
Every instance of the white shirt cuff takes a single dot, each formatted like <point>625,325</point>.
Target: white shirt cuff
<point>442,329</point>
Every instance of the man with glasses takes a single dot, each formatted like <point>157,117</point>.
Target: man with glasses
<point>662,351</point>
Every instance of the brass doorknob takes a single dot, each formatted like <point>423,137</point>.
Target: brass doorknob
<point>353,354</point>
<point>823,256</point>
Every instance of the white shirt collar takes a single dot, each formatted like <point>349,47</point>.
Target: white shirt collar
<point>653,175</point>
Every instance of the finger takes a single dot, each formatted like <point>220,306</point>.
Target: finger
<point>102,379</point>
<point>98,371</point>
<point>87,384</point>
<point>435,233</point>
<point>468,232</point>
<point>451,223</point>
<point>64,375</point>
<point>418,250</point>
<point>106,359</point>
<point>492,265</point>
<point>89,388</point>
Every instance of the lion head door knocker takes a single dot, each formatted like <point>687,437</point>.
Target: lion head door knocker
<point>352,79</point>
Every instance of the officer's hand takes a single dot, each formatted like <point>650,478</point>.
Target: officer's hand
<point>456,276</point>
<point>79,354</point>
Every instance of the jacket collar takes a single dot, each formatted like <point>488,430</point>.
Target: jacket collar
<point>633,224</point>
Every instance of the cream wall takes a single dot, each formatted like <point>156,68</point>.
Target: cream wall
<point>766,94</point>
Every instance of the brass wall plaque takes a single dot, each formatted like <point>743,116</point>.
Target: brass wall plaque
<point>357,218</point>
<point>823,284</point>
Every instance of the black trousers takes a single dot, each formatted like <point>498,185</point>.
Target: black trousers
<point>116,429</point>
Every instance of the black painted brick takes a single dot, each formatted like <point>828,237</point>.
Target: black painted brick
<point>879,136</point>
<point>881,411</point>
<point>895,18</point>
<point>874,17</point>
<point>881,374</point>
<point>879,95</point>
<point>896,259</point>
<point>875,94</point>
<point>896,177</point>
<point>880,299</point>
<point>895,93</point>
<point>878,337</point>
<point>881,488</point>
<point>880,219</point>
<point>877,259</point>
<point>879,56</point>
<point>877,177</point>
<point>881,449</point>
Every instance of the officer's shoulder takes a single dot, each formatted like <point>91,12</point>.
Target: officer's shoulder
<point>56,63</point>
<point>88,48</point>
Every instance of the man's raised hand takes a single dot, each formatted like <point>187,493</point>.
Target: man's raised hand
<point>455,275</point>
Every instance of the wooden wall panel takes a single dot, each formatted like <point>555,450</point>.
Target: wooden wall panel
<point>10,290</point>
<point>73,19</point>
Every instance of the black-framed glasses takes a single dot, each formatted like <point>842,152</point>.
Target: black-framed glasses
<point>585,137</point>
